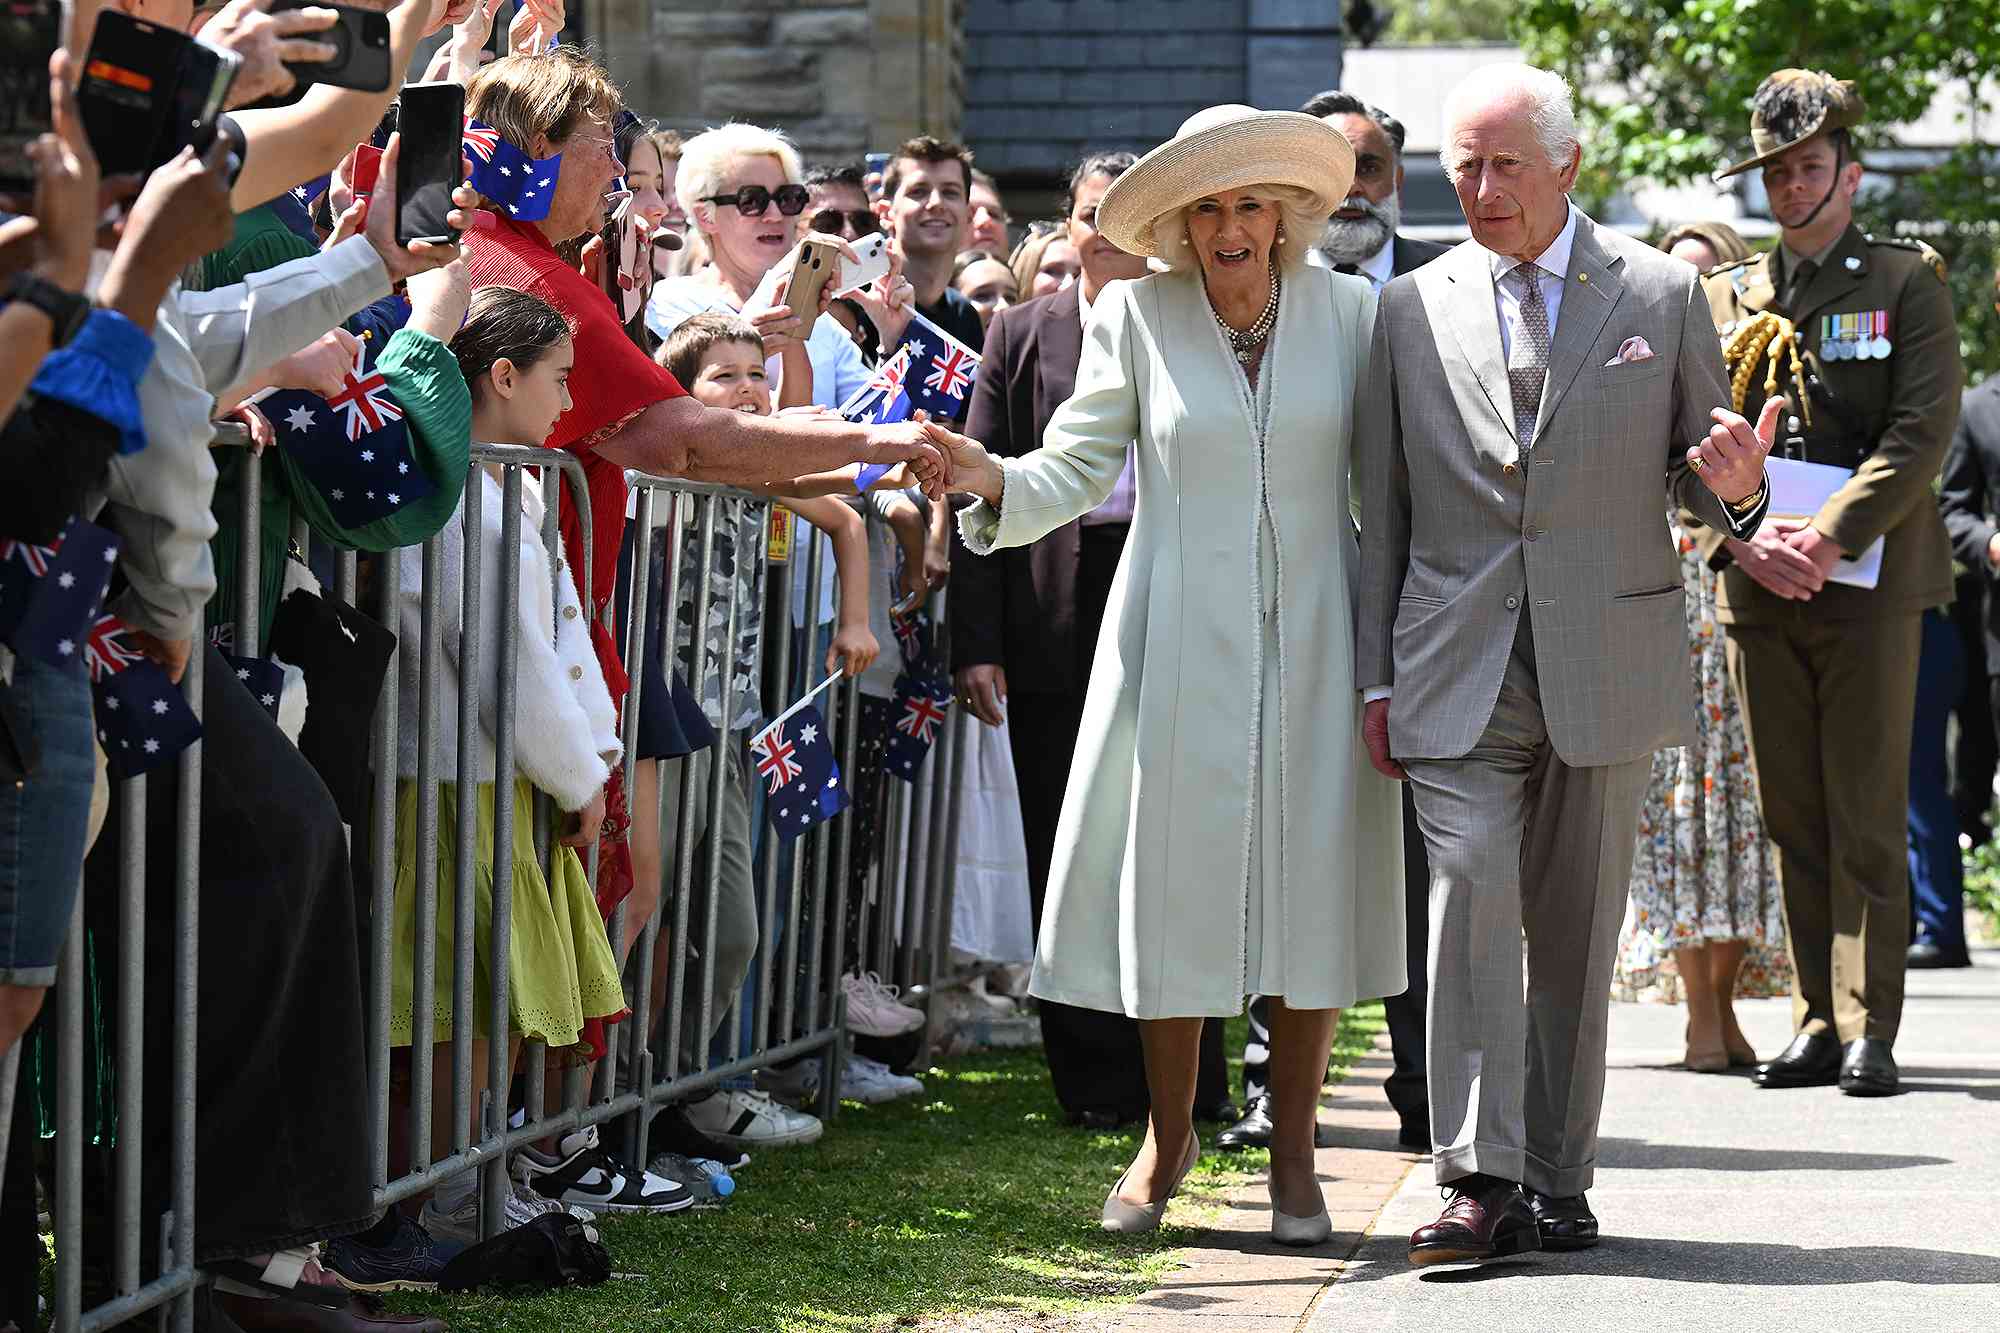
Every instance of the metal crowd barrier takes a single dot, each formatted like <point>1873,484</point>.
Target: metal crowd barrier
<point>798,1006</point>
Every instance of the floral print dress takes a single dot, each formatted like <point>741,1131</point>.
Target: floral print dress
<point>1703,869</point>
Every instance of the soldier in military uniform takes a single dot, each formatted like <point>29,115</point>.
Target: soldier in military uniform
<point>1856,333</point>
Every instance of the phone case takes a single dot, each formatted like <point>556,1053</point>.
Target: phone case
<point>818,265</point>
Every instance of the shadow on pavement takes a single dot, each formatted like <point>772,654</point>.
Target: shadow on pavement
<point>1639,1154</point>
<point>1747,1263</point>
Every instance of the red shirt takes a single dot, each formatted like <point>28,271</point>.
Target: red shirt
<point>611,382</point>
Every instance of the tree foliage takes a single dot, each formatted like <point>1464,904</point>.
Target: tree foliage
<point>1666,88</point>
<point>1444,22</point>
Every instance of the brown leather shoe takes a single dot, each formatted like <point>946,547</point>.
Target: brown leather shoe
<point>363,1314</point>
<point>1484,1218</point>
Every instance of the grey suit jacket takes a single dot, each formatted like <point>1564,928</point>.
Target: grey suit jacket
<point>1462,533</point>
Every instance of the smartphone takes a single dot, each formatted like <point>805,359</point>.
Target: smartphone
<point>874,253</point>
<point>431,162</point>
<point>818,265</point>
<point>149,91</point>
<point>361,39</point>
<point>30,31</point>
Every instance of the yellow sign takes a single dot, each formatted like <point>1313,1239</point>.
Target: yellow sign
<point>779,543</point>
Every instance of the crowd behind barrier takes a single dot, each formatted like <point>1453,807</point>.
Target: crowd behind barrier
<point>799,1006</point>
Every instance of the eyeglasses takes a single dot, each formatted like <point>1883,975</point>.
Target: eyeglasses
<point>751,200</point>
<point>837,221</point>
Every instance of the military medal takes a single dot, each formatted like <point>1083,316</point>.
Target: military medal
<point>1864,338</point>
<point>1880,347</point>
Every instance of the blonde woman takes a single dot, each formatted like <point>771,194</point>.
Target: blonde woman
<point>1223,834</point>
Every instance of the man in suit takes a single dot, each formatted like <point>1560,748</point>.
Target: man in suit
<point>1361,238</point>
<point>1537,397</point>
<point>1969,497</point>
<point>1024,625</point>
<point>1859,337</point>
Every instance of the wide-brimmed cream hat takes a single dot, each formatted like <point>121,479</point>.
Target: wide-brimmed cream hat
<point>1225,148</point>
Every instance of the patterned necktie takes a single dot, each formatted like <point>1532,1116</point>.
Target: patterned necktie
<point>1528,365</point>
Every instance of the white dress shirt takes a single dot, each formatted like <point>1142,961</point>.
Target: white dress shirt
<point>1552,270</point>
<point>1378,268</point>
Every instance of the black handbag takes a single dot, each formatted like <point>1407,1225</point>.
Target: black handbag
<point>554,1250</point>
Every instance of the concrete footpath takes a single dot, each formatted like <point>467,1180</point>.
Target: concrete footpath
<point>1724,1206</point>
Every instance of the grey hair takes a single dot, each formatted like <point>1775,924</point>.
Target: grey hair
<point>1551,108</point>
<point>1300,211</point>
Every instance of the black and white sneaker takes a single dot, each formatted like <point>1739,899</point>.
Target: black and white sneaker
<point>582,1174</point>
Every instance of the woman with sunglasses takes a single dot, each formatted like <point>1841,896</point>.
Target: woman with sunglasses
<point>743,191</point>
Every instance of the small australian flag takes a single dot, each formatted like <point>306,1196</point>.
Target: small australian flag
<point>143,719</point>
<point>355,446</point>
<point>264,679</point>
<point>523,185</point>
<point>923,701</point>
<point>794,759</point>
<point>930,371</point>
<point>50,595</point>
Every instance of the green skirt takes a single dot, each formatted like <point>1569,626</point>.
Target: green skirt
<point>560,968</point>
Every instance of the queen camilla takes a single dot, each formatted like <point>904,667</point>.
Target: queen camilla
<point>1224,834</point>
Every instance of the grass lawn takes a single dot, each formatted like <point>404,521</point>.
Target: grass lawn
<point>975,1198</point>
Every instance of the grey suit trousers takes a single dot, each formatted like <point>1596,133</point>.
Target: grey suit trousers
<point>1522,843</point>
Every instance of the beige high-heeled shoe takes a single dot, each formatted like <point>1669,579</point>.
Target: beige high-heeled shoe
<point>1133,1218</point>
<point>1299,1231</point>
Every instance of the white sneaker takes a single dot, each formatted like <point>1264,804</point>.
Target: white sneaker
<point>871,1082</point>
<point>751,1119</point>
<point>873,1009</point>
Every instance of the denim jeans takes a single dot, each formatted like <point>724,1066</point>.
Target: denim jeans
<point>43,821</point>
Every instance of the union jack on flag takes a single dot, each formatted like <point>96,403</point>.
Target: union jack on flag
<point>920,718</point>
<point>480,139</point>
<point>36,558</point>
<point>951,372</point>
<point>365,400</point>
<point>108,651</point>
<point>776,758</point>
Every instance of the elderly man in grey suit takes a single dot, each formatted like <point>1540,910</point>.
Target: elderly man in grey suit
<point>1538,397</point>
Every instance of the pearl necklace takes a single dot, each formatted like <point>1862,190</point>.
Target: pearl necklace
<point>1246,342</point>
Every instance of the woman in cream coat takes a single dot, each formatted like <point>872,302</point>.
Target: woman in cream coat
<point>1224,834</point>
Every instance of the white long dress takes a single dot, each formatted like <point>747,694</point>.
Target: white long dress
<point>1222,832</point>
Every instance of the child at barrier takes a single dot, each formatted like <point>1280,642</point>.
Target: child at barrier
<point>720,358</point>
<point>515,353</point>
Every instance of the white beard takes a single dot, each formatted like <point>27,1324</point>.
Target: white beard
<point>1353,241</point>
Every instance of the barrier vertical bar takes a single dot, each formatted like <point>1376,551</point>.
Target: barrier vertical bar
<point>959,732</point>
<point>633,1035</point>
<point>131,1031</point>
<point>187,961</point>
<point>249,554</point>
<point>497,1027</point>
<point>69,1123</point>
<point>647,1041</point>
<point>464,908</point>
<point>778,583</point>
<point>684,834</point>
<point>382,879</point>
<point>423,981</point>
<point>712,871</point>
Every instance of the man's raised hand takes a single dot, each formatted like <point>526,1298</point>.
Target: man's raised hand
<point>1730,462</point>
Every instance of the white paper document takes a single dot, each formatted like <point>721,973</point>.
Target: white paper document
<point>1797,492</point>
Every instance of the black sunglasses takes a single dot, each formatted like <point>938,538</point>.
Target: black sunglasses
<point>750,200</point>
<point>862,220</point>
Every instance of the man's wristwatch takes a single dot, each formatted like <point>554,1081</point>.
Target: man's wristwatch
<point>1738,508</point>
<point>66,310</point>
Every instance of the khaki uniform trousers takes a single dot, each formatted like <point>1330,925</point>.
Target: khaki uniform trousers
<point>1828,706</point>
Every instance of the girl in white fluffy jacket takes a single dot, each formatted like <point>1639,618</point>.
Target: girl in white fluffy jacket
<point>516,354</point>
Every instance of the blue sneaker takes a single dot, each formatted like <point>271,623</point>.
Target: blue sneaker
<point>409,1261</point>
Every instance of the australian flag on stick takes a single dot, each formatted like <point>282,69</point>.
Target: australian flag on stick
<point>355,446</point>
<point>523,185</point>
<point>50,595</point>
<point>143,719</point>
<point>930,372</point>
<point>923,702</point>
<point>794,759</point>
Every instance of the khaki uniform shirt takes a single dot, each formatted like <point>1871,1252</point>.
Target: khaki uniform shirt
<point>1887,414</point>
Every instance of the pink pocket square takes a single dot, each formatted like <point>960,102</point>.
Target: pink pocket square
<point>1633,348</point>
